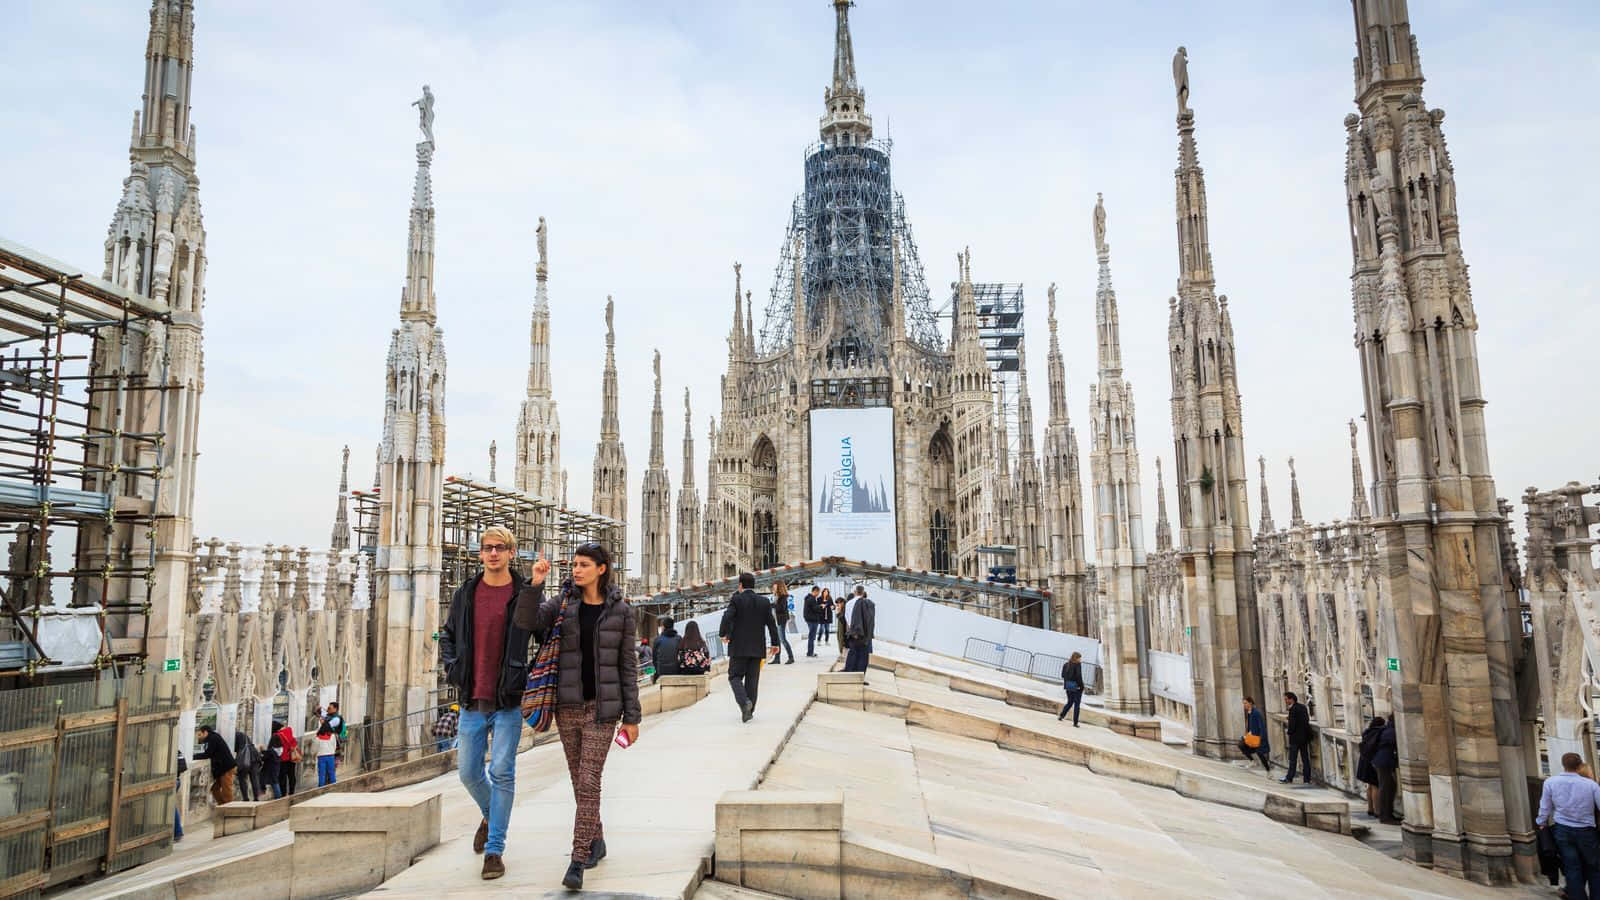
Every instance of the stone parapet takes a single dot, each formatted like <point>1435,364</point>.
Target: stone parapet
<point>349,843</point>
<point>782,842</point>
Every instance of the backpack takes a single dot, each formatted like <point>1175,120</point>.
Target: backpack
<point>249,757</point>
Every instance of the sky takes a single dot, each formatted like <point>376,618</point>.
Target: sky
<point>664,141</point>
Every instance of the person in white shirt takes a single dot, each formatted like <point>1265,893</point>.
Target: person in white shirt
<point>1567,805</point>
<point>327,746</point>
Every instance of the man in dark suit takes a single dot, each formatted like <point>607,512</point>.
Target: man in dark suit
<point>861,622</point>
<point>1299,734</point>
<point>747,614</point>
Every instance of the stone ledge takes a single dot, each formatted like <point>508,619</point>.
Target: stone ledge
<point>241,816</point>
<point>842,688</point>
<point>781,842</point>
<point>874,868</point>
<point>678,691</point>
<point>351,843</point>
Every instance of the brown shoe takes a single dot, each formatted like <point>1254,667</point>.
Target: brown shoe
<point>481,838</point>
<point>492,867</point>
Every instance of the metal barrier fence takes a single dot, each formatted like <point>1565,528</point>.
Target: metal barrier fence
<point>1041,666</point>
<point>89,775</point>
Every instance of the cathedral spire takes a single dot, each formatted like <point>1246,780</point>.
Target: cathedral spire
<point>1295,517</point>
<point>657,451</point>
<point>1024,404</point>
<point>1386,50</point>
<point>845,123</point>
<point>163,122</point>
<point>1105,297</point>
<point>736,334</point>
<point>1163,526</point>
<point>538,447</point>
<point>341,516</point>
<point>1358,490</point>
<point>416,298</point>
<point>1267,526</point>
<point>688,443</point>
<point>1194,231</point>
<point>1056,371</point>
<point>610,430</point>
<point>539,332</point>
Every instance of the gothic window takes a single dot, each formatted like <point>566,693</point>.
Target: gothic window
<point>939,542</point>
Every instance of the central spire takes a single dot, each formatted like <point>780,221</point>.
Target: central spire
<point>846,123</point>
<point>416,298</point>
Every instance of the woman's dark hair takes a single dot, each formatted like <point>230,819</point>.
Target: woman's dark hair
<point>691,639</point>
<point>276,743</point>
<point>596,553</point>
<point>276,725</point>
<point>325,731</point>
<point>827,595</point>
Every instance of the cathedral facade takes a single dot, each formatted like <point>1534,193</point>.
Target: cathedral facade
<point>849,326</point>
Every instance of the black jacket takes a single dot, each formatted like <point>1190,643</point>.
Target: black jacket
<point>456,651</point>
<point>811,610</point>
<point>1072,671</point>
<point>216,750</point>
<point>1299,727</point>
<point>616,649</point>
<point>780,611</point>
<point>747,613</point>
<point>665,653</point>
<point>863,624</point>
<point>1387,755</point>
<point>1366,772</point>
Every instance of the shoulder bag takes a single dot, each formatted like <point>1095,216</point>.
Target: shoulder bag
<point>539,696</point>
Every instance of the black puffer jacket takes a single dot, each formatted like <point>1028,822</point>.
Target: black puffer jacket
<point>616,653</point>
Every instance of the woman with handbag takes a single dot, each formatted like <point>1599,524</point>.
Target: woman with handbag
<point>1072,682</point>
<point>596,691</point>
<point>1254,743</point>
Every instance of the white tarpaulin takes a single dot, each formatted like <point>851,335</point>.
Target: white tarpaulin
<point>70,635</point>
<point>852,484</point>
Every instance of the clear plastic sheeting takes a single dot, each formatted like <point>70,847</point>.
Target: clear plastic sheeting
<point>70,636</point>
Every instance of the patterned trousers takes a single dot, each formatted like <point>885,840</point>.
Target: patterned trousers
<point>586,743</point>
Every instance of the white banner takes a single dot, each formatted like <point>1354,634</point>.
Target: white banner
<point>852,485</point>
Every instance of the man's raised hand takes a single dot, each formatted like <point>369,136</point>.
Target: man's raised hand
<point>541,568</point>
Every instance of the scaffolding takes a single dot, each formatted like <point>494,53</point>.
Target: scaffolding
<point>470,506</point>
<point>82,363</point>
<point>843,228</point>
<point>1000,330</point>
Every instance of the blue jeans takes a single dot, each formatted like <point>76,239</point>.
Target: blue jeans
<point>1580,861</point>
<point>325,770</point>
<point>493,788</point>
<point>1074,705</point>
<point>811,637</point>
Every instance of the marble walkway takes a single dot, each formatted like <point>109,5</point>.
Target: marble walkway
<point>659,808</point>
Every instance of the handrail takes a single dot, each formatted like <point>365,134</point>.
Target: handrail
<point>1040,666</point>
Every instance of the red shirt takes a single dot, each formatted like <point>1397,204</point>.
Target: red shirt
<point>491,607</point>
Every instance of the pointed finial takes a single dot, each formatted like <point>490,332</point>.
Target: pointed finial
<point>344,471</point>
<point>492,453</point>
<point>1267,526</point>
<point>657,366</point>
<point>1295,518</point>
<point>1358,488</point>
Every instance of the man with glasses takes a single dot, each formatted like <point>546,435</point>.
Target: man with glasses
<point>485,657</point>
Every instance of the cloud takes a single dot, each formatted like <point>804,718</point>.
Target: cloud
<point>662,142</point>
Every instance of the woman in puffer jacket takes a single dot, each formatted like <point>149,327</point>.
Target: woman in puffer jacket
<point>597,691</point>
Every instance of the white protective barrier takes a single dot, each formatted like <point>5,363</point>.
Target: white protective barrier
<point>1170,677</point>
<point>70,635</point>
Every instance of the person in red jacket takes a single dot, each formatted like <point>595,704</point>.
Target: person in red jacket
<point>289,761</point>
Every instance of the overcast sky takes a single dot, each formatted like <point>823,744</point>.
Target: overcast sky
<point>664,141</point>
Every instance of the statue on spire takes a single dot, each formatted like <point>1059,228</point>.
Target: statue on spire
<point>539,236</point>
<point>1180,78</point>
<point>1099,222</point>
<point>425,113</point>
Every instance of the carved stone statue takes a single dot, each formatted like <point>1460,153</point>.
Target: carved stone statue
<point>1180,78</point>
<point>539,233</point>
<point>425,113</point>
<point>1099,222</point>
<point>1380,194</point>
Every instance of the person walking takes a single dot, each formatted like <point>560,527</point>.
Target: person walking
<point>1254,740</point>
<point>780,614</point>
<point>840,640</point>
<point>1366,772</point>
<point>222,763</point>
<point>826,600</point>
<point>1566,806</point>
<point>288,758</point>
<point>694,657</point>
<point>1386,759</point>
<point>860,624</point>
<point>485,657</point>
<point>665,650</point>
<point>747,614</point>
<point>1299,734</point>
<point>597,692</point>
<point>248,759</point>
<point>445,727</point>
<point>811,611</point>
<point>1072,683</point>
<point>327,755</point>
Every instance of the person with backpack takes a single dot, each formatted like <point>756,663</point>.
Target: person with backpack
<point>288,758</point>
<point>249,762</point>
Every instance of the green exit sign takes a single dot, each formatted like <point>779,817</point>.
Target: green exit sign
<point>172,665</point>
<point>1394,664</point>
<point>1188,630</point>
